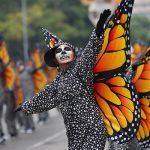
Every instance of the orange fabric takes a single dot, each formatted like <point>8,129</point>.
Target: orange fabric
<point>145,102</point>
<point>142,84</point>
<point>39,77</point>
<point>115,96</point>
<point>39,81</point>
<point>114,46</point>
<point>104,46</point>
<point>51,73</point>
<point>138,73</point>
<point>113,49</point>
<point>142,77</point>
<point>127,113</point>
<point>116,32</point>
<point>117,81</point>
<point>9,73</point>
<point>122,91</point>
<point>116,103</point>
<point>4,54</point>
<point>144,129</point>
<point>127,103</point>
<point>18,90</point>
<point>106,93</point>
<point>9,77</point>
<point>124,18</point>
<point>105,63</point>
<point>120,117</point>
<point>108,126</point>
<point>136,48</point>
<point>108,112</point>
<point>36,58</point>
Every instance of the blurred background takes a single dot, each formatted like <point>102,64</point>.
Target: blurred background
<point>70,20</point>
<point>21,49</point>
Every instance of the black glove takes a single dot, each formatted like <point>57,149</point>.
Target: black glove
<point>19,108</point>
<point>102,19</point>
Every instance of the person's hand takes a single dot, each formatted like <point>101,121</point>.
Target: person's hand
<point>101,22</point>
<point>19,108</point>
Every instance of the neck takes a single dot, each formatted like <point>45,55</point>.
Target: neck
<point>64,66</point>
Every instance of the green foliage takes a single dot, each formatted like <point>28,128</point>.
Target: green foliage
<point>66,18</point>
<point>140,29</point>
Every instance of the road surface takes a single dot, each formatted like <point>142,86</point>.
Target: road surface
<point>50,136</point>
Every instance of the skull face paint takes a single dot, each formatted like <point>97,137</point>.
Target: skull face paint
<point>64,54</point>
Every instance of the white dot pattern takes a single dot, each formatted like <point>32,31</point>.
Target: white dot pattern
<point>72,92</point>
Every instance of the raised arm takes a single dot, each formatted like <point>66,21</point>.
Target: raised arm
<point>92,49</point>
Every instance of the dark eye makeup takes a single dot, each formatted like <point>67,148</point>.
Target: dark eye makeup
<point>67,49</point>
<point>58,50</point>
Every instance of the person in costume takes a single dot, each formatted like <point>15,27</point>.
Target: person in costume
<point>39,78</point>
<point>8,78</point>
<point>2,96</point>
<point>72,91</point>
<point>18,91</point>
<point>102,66</point>
<point>24,91</point>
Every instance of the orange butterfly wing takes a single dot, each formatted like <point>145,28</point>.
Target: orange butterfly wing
<point>141,81</point>
<point>143,134</point>
<point>119,107</point>
<point>142,76</point>
<point>115,95</point>
<point>115,53</point>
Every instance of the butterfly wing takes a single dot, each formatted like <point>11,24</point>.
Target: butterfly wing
<point>119,107</point>
<point>115,53</point>
<point>141,81</point>
<point>115,94</point>
<point>143,134</point>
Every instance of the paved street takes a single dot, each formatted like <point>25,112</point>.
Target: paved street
<point>50,136</point>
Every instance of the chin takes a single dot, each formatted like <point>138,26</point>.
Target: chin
<point>66,61</point>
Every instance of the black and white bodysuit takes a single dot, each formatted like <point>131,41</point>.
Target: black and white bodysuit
<point>72,91</point>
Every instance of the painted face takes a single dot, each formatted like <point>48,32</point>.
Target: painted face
<point>64,54</point>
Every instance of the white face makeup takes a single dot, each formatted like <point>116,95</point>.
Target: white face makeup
<point>64,54</point>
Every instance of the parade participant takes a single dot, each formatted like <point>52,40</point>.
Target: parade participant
<point>72,91</point>
<point>18,91</point>
<point>8,78</point>
<point>2,93</point>
<point>39,78</point>
<point>24,91</point>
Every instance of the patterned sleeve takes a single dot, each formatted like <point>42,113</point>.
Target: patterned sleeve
<point>88,56</point>
<point>87,59</point>
<point>43,101</point>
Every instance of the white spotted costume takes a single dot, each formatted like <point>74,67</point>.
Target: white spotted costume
<point>72,92</point>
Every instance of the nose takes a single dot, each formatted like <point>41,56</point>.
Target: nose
<point>63,52</point>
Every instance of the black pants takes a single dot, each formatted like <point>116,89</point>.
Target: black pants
<point>1,113</point>
<point>10,114</point>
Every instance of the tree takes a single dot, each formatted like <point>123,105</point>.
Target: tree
<point>67,19</point>
<point>140,29</point>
